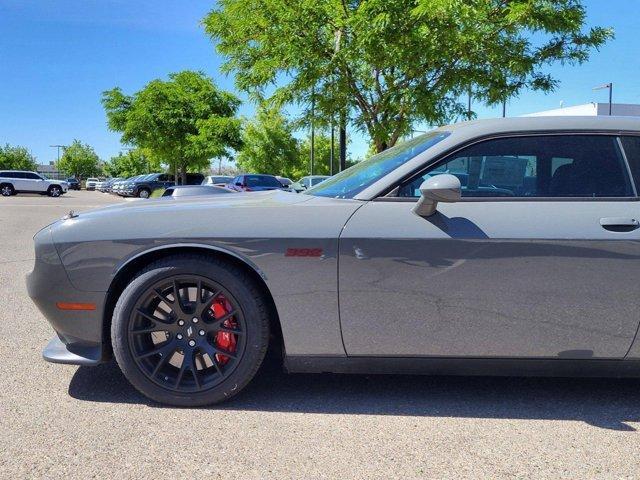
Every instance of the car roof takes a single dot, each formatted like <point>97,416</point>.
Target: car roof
<point>460,133</point>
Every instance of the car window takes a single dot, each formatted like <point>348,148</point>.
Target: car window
<point>31,176</point>
<point>317,180</point>
<point>261,181</point>
<point>631,146</point>
<point>17,175</point>
<point>535,166</point>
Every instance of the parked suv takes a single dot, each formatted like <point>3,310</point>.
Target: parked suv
<point>18,181</point>
<point>218,180</point>
<point>73,183</point>
<point>90,184</point>
<point>143,186</point>
<point>307,182</point>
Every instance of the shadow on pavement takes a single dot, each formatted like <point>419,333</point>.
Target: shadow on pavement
<point>604,403</point>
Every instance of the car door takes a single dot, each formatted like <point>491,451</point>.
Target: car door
<point>540,258</point>
<point>20,182</point>
<point>36,182</point>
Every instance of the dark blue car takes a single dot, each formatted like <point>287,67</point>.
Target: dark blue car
<point>253,182</point>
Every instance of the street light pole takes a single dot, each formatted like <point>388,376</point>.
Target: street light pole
<point>313,129</point>
<point>58,147</point>
<point>333,141</point>
<point>610,87</point>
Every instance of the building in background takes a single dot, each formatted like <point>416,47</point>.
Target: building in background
<point>50,171</point>
<point>592,110</point>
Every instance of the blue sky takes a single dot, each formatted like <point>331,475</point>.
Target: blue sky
<point>57,57</point>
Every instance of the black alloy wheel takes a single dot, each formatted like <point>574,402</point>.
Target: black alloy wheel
<point>55,191</point>
<point>190,330</point>
<point>187,333</point>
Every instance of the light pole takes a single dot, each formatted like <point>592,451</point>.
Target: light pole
<point>610,87</point>
<point>58,147</point>
<point>313,126</point>
<point>333,141</point>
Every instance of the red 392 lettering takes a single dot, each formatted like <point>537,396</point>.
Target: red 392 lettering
<point>303,252</point>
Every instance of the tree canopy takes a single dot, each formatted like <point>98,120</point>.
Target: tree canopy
<point>16,158</point>
<point>389,64</point>
<point>134,162</point>
<point>269,146</point>
<point>80,160</point>
<point>184,121</point>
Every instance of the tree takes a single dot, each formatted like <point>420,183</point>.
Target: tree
<point>134,162</point>
<point>269,146</point>
<point>80,160</point>
<point>322,154</point>
<point>16,158</point>
<point>392,63</point>
<point>184,121</point>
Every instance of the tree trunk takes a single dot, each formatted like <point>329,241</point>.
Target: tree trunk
<point>342,141</point>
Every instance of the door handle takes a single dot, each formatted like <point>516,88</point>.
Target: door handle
<point>619,224</point>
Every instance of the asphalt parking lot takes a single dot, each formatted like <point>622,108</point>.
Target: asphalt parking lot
<point>84,422</point>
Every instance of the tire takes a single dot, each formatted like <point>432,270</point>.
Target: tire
<point>144,193</point>
<point>6,190</point>
<point>180,382</point>
<point>54,191</point>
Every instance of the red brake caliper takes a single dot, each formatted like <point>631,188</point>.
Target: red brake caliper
<point>224,340</point>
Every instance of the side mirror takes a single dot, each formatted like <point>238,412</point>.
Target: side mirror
<point>238,184</point>
<point>441,188</point>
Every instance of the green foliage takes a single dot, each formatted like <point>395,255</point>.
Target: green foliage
<point>134,162</point>
<point>322,154</point>
<point>269,146</point>
<point>80,160</point>
<point>392,63</point>
<point>184,121</point>
<point>16,158</point>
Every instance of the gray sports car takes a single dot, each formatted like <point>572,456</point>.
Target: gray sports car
<point>504,246</point>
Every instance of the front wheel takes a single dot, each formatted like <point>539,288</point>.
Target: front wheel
<point>144,193</point>
<point>54,191</point>
<point>6,190</point>
<point>190,330</point>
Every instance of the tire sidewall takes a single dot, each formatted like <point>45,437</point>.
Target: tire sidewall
<point>53,189</point>
<point>257,334</point>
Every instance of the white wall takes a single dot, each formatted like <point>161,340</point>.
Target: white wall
<point>592,109</point>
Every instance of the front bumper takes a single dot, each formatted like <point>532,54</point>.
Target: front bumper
<point>80,337</point>
<point>57,351</point>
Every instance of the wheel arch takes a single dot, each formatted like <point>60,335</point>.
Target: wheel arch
<point>133,265</point>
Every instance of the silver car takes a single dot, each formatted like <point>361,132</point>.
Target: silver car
<point>491,247</point>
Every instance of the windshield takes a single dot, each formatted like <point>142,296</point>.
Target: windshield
<point>353,180</point>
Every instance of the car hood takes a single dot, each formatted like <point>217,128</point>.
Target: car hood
<point>273,213</point>
<point>265,199</point>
